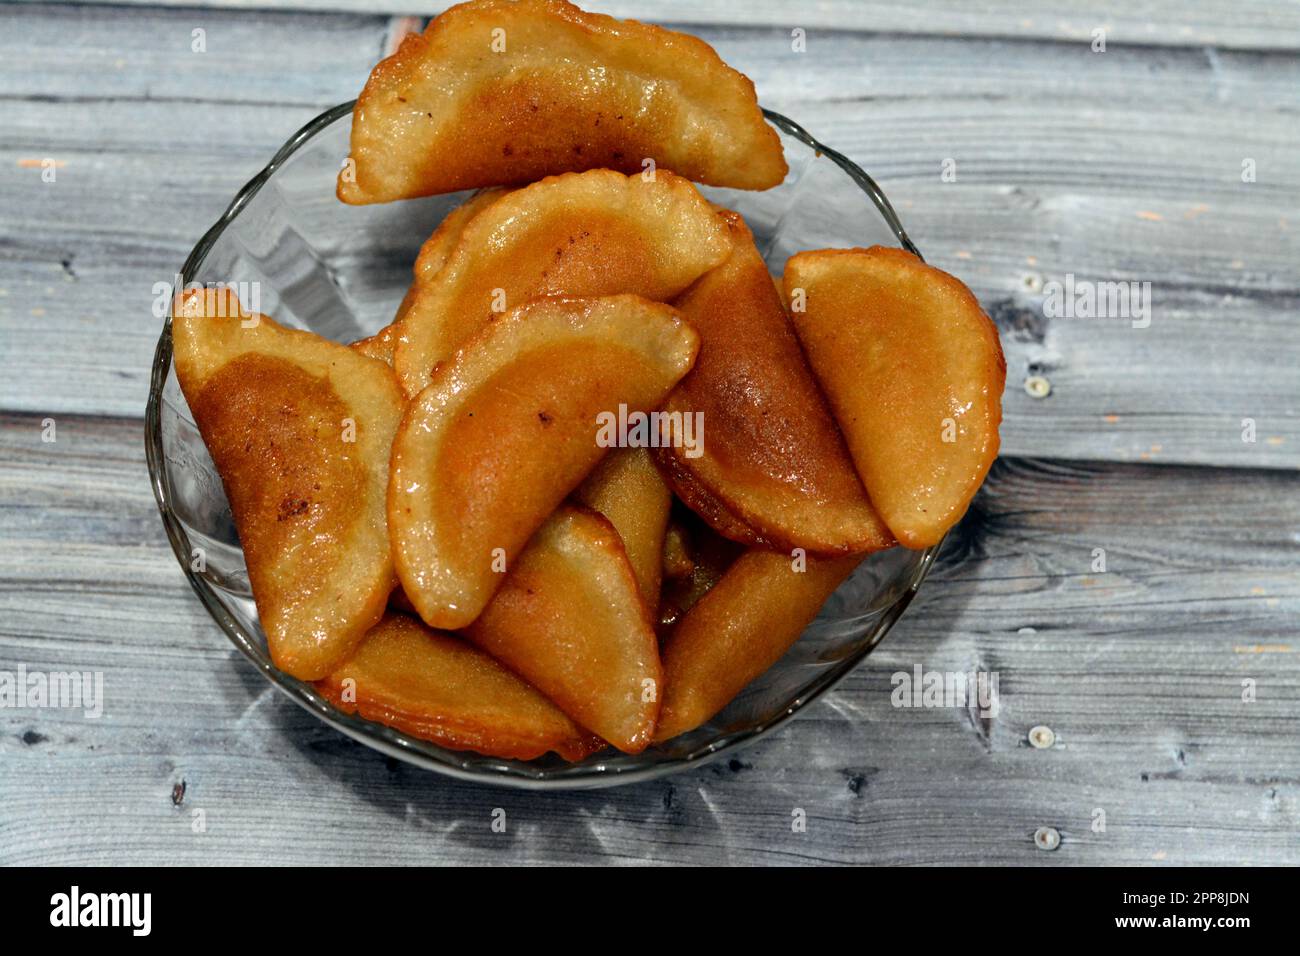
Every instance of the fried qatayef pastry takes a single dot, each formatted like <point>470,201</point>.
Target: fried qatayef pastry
<point>570,620</point>
<point>771,455</point>
<point>508,428</point>
<point>627,489</point>
<point>438,687</point>
<point>433,255</point>
<point>300,430</point>
<point>583,234</point>
<point>504,93</point>
<point>739,629</point>
<point>914,372</point>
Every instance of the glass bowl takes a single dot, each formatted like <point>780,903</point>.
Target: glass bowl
<point>341,271</point>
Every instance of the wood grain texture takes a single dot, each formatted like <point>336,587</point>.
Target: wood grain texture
<point>1138,671</point>
<point>1122,165</point>
<point>1062,167</point>
<point>1248,24</point>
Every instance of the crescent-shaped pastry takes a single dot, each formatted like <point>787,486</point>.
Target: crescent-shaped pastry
<point>438,687</point>
<point>300,430</point>
<point>570,620</point>
<point>497,92</point>
<point>914,372</point>
<point>740,628</point>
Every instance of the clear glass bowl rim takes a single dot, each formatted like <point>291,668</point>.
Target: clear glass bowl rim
<point>463,765</point>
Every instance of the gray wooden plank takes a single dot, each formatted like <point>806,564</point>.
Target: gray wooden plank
<point>1246,24</point>
<point>1138,671</point>
<point>88,55</point>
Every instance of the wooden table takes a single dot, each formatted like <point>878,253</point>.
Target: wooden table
<point>1171,680</point>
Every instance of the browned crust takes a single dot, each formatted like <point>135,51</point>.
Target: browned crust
<point>686,51</point>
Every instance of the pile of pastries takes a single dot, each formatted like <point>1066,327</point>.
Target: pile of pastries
<point>602,469</point>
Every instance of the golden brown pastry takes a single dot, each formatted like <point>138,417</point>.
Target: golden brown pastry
<point>503,93</point>
<point>914,373</point>
<point>571,621</point>
<point>438,687</point>
<point>739,629</point>
<point>300,430</point>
